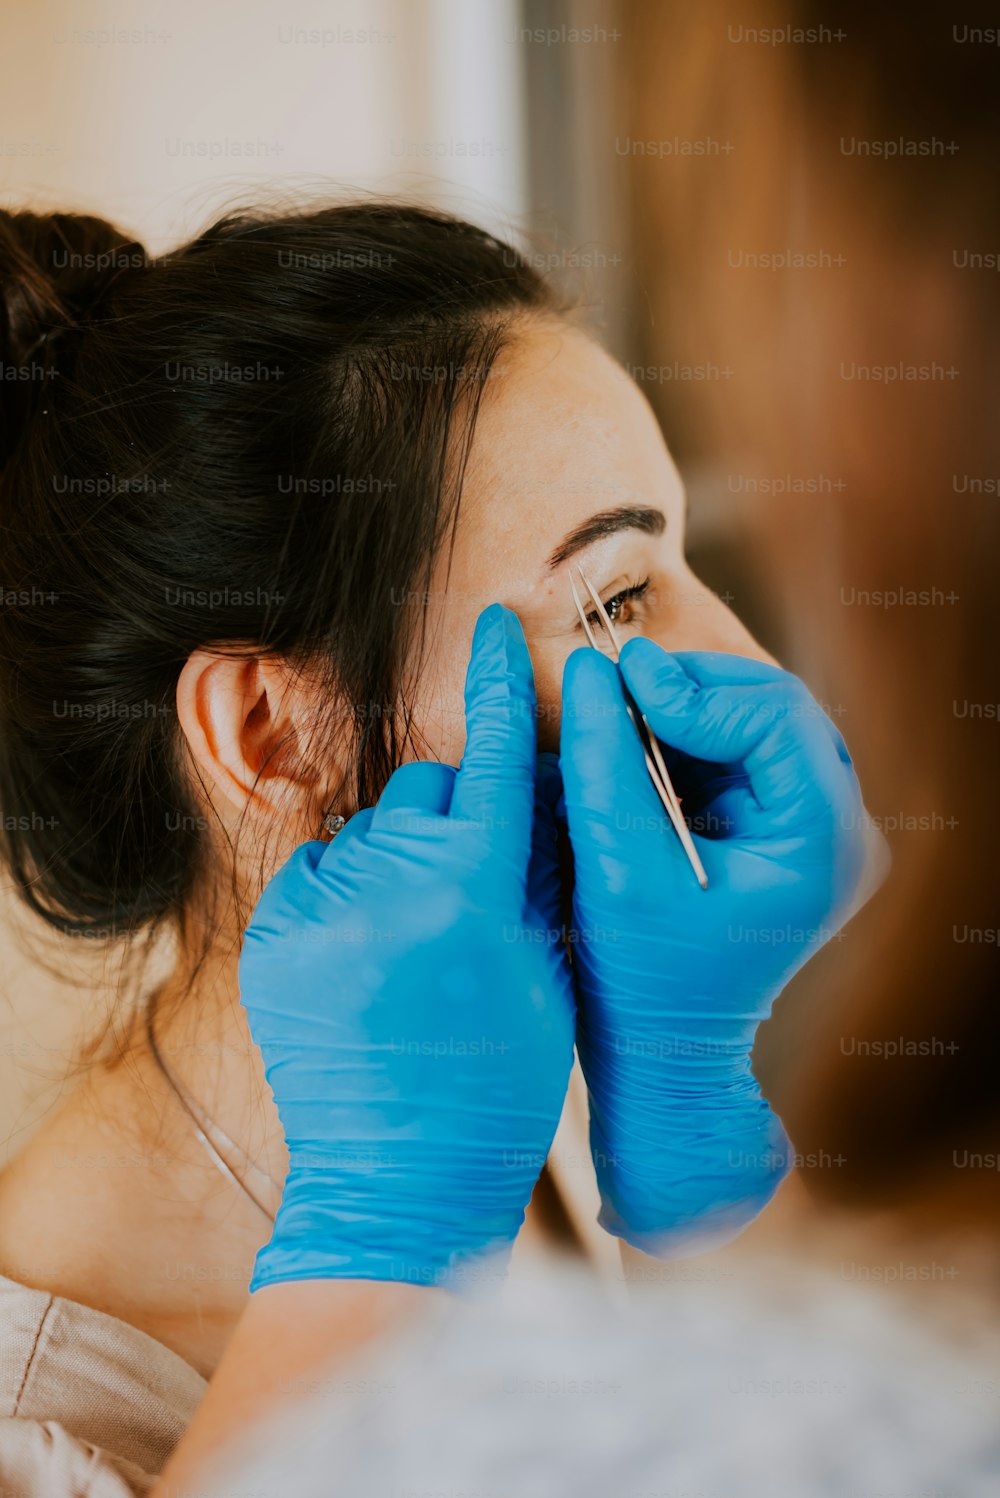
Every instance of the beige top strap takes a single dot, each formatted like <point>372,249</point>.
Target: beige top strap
<point>88,1404</point>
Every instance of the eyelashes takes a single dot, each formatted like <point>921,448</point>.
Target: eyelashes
<point>620,601</point>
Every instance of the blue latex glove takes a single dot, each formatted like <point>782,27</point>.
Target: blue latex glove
<point>672,981</point>
<point>415,1018</point>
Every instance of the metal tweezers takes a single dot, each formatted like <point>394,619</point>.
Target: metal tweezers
<point>650,746</point>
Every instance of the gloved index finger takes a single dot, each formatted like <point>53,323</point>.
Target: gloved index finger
<point>601,758</point>
<point>714,668</point>
<point>495,783</point>
<point>770,726</point>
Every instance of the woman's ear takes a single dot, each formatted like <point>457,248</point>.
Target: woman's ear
<point>246,722</point>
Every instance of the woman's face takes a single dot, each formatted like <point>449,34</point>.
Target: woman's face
<point>568,469</point>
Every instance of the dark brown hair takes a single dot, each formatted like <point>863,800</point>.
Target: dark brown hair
<point>257,438</point>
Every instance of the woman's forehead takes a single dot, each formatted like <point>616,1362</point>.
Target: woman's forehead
<point>562,433</point>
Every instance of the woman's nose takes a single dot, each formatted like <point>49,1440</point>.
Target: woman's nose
<point>701,620</point>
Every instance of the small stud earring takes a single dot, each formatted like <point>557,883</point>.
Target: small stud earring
<point>333,823</point>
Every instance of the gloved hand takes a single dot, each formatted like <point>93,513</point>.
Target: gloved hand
<point>415,1018</point>
<point>672,981</point>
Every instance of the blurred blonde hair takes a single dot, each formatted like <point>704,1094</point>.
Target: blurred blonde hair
<point>915,683</point>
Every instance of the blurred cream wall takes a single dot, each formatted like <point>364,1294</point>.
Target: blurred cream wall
<point>154,115</point>
<point>150,113</point>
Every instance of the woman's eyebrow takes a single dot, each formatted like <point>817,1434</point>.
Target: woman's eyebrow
<point>605,523</point>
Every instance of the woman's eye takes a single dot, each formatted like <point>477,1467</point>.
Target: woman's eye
<point>620,608</point>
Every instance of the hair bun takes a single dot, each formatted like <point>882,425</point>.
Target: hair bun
<point>54,269</point>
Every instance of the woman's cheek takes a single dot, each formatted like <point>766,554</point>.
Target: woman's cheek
<point>438,723</point>
<point>688,616</point>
